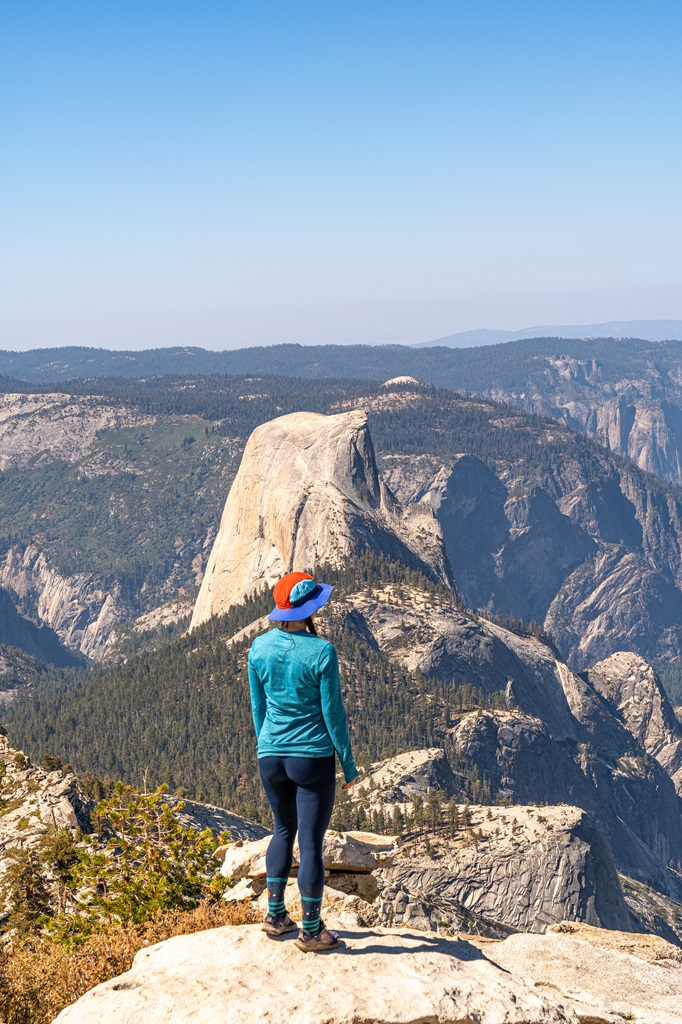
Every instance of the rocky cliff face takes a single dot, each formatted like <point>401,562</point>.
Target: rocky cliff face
<point>638,415</point>
<point>308,492</point>
<point>516,868</point>
<point>400,778</point>
<point>81,610</point>
<point>42,428</point>
<point>634,690</point>
<point>32,799</point>
<point>519,868</point>
<point>28,640</point>
<point>508,552</point>
<point>631,799</point>
<point>593,553</point>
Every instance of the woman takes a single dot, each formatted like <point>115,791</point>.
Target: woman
<point>300,721</point>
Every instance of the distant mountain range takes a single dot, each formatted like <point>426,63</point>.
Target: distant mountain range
<point>648,330</point>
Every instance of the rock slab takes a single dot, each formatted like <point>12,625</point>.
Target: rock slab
<point>599,983</point>
<point>341,851</point>
<point>528,869</point>
<point>235,975</point>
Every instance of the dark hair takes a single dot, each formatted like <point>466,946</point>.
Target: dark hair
<point>310,626</point>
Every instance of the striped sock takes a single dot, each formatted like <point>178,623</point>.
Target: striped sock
<point>311,914</point>
<point>276,905</point>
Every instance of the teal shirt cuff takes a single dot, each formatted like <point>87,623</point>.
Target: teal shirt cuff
<point>350,772</point>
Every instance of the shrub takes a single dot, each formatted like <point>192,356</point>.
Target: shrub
<point>39,976</point>
<point>139,861</point>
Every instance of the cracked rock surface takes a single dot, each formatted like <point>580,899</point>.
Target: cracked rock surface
<point>235,975</point>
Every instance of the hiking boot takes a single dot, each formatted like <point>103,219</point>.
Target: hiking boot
<point>325,939</point>
<point>278,924</point>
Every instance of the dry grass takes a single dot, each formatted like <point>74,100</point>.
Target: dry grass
<point>39,977</point>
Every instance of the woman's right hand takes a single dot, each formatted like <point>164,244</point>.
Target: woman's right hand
<point>351,783</point>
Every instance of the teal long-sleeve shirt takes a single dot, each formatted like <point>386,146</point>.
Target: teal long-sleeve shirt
<point>296,698</point>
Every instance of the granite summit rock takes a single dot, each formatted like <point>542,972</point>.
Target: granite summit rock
<point>308,492</point>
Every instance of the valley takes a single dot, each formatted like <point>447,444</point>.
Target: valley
<point>502,586</point>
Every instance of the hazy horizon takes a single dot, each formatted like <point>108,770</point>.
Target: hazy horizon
<point>229,176</point>
<point>652,330</point>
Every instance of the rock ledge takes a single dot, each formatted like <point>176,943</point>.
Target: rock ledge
<point>235,975</point>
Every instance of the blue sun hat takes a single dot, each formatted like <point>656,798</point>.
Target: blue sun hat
<point>297,596</point>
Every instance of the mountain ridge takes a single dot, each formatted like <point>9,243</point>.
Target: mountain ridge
<point>647,330</point>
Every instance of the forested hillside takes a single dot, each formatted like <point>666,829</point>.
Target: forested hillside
<point>471,369</point>
<point>627,392</point>
<point>181,715</point>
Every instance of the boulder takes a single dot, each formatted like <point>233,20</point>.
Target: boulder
<point>355,852</point>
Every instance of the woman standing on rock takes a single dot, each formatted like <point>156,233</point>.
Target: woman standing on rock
<point>300,721</point>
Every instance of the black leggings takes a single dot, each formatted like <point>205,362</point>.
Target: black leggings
<point>301,794</point>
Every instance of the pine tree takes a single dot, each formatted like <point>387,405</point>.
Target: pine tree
<point>25,892</point>
<point>60,853</point>
<point>453,815</point>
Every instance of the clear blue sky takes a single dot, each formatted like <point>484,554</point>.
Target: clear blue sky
<point>223,174</point>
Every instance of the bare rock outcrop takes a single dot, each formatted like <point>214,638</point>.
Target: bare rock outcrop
<point>505,870</point>
<point>614,600</point>
<point>629,796</point>
<point>33,800</point>
<point>604,977</point>
<point>41,428</point>
<point>387,976</point>
<point>207,816</point>
<point>227,974</point>
<point>518,868</point>
<point>511,869</point>
<point>308,492</point>
<point>400,778</point>
<point>632,687</point>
